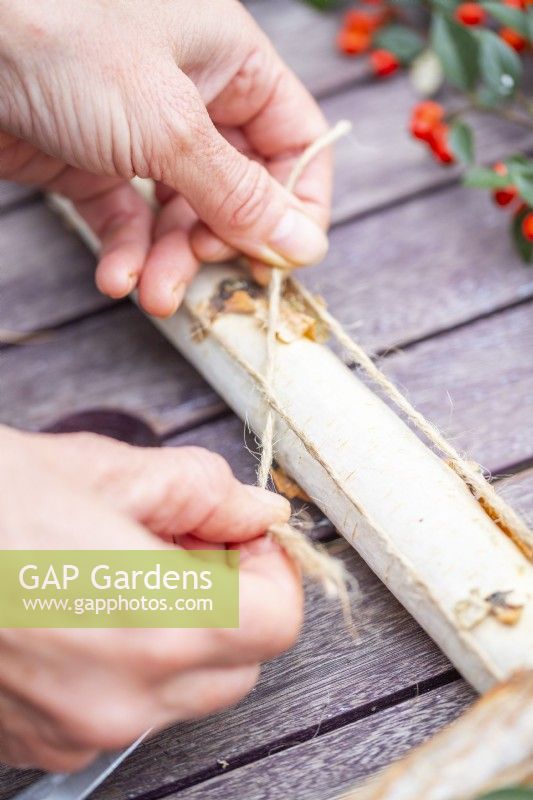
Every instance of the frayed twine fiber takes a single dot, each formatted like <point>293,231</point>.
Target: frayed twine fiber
<point>315,563</point>
<point>275,291</point>
<point>471,473</point>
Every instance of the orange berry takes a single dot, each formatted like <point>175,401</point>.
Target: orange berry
<point>353,43</point>
<point>438,143</point>
<point>367,21</point>
<point>513,39</point>
<point>470,14</point>
<point>527,227</point>
<point>424,117</point>
<point>384,62</point>
<point>502,197</point>
<point>521,4</point>
<point>500,168</point>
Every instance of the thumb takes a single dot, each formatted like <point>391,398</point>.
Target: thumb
<point>236,197</point>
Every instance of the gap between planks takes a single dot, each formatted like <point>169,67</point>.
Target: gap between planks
<point>299,737</point>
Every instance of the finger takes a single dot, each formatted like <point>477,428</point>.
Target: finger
<point>27,739</point>
<point>177,213</point>
<point>31,752</point>
<point>270,608</point>
<point>260,273</point>
<point>279,119</point>
<point>172,491</point>
<point>234,195</point>
<point>163,193</point>
<point>121,219</point>
<point>34,752</point>
<point>171,263</point>
<point>270,614</point>
<point>208,247</point>
<point>204,498</point>
<point>199,692</point>
<point>169,268</point>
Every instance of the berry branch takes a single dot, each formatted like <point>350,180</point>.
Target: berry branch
<point>480,49</point>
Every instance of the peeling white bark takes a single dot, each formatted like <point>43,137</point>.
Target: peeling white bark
<point>403,509</point>
<point>488,748</point>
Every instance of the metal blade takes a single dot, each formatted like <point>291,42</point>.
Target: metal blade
<point>78,785</point>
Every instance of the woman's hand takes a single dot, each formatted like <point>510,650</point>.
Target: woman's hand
<point>66,694</point>
<point>191,94</point>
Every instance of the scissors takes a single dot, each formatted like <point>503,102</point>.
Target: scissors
<point>78,785</point>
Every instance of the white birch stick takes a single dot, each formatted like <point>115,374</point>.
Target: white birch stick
<point>403,509</point>
<point>487,748</point>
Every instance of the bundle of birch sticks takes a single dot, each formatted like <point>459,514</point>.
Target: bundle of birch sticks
<point>457,558</point>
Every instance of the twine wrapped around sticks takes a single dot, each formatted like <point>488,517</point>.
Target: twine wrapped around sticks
<point>471,473</point>
<point>315,563</point>
<point>275,291</point>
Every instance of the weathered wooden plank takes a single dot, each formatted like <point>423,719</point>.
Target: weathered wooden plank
<point>46,275</point>
<point>380,164</point>
<point>329,763</point>
<point>416,269</point>
<point>367,741</point>
<point>118,360</point>
<point>305,38</point>
<point>115,360</point>
<point>422,252</point>
<point>327,674</point>
<point>11,193</point>
<point>475,383</point>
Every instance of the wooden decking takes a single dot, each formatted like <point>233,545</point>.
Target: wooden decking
<point>423,271</point>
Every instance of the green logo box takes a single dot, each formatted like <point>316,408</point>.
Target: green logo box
<point>119,588</point>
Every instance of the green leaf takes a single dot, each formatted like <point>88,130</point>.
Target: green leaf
<point>484,178</point>
<point>322,5</point>
<point>518,158</point>
<point>487,98</point>
<point>462,141</point>
<point>445,5</point>
<point>509,794</point>
<point>405,43</point>
<point>457,49</point>
<point>522,177</point>
<point>508,16</point>
<point>525,250</point>
<point>500,66</point>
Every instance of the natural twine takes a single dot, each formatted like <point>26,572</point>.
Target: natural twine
<point>314,562</point>
<point>471,473</point>
<point>275,291</point>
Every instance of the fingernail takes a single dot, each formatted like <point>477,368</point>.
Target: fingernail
<point>260,273</point>
<point>176,296</point>
<point>277,505</point>
<point>132,281</point>
<point>263,545</point>
<point>297,239</point>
